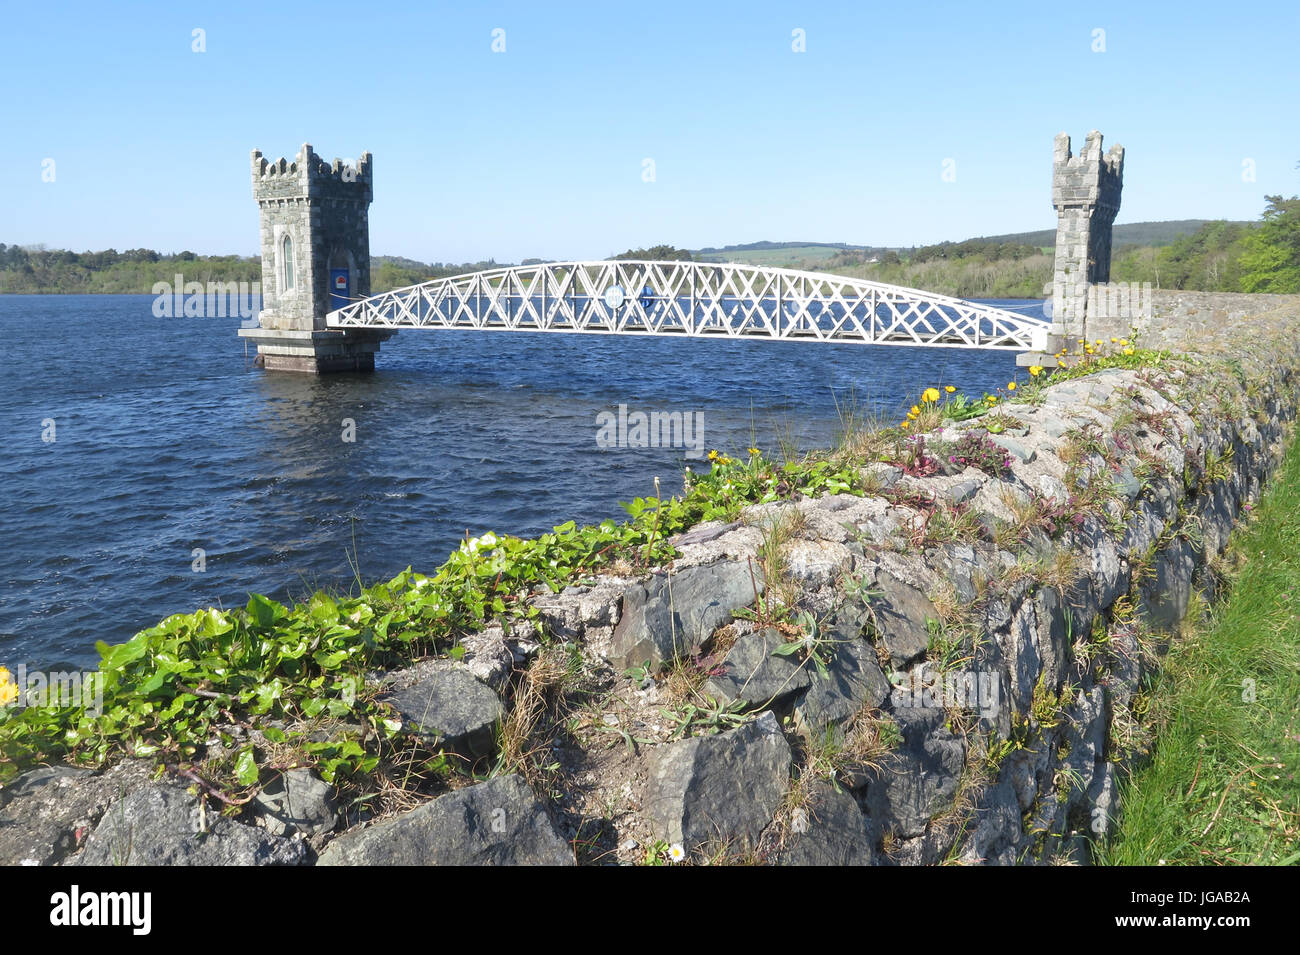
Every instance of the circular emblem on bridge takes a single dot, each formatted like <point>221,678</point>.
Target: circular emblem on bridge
<point>614,296</point>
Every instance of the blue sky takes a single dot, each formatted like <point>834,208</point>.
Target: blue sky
<point>539,150</point>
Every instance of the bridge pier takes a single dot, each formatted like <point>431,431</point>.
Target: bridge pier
<point>315,233</point>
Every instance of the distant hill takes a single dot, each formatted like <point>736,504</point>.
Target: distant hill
<point>779,253</point>
<point>1128,233</point>
<point>814,253</point>
<point>757,246</point>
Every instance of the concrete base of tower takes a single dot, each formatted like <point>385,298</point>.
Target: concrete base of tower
<point>1041,359</point>
<point>318,351</point>
<point>1045,354</point>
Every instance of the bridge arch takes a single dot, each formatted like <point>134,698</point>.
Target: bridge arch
<point>693,299</point>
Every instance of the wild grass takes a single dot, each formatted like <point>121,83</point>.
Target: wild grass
<point>541,704</point>
<point>859,746</point>
<point>779,527</point>
<point>1221,787</point>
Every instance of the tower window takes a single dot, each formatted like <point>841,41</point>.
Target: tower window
<point>286,260</point>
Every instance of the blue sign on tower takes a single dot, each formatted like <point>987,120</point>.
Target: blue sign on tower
<point>340,293</point>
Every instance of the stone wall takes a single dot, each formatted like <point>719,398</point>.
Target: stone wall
<point>1005,628</point>
<point>988,641</point>
<point>1166,318</point>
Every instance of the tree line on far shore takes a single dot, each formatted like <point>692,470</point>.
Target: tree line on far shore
<point>1219,257</point>
<point>36,269</point>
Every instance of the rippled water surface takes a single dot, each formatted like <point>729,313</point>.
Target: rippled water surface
<point>167,440</point>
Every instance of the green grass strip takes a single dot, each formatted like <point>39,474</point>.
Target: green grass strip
<point>1222,788</point>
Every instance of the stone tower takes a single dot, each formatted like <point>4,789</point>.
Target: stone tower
<point>315,258</point>
<point>1085,193</point>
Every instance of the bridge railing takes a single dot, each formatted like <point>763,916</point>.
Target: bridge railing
<point>695,299</point>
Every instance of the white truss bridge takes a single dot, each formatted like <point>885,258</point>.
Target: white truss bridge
<point>699,299</point>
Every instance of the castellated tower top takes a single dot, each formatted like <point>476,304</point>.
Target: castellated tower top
<point>310,176</point>
<point>1089,179</point>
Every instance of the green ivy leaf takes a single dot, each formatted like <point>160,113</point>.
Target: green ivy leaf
<point>246,767</point>
<point>264,611</point>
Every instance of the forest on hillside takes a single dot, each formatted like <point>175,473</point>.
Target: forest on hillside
<point>1218,256</point>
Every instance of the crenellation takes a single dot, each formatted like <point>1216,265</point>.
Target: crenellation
<point>1092,146</point>
<point>1060,148</point>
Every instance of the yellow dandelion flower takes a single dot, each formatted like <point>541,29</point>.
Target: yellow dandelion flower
<point>753,452</point>
<point>1123,341</point>
<point>1035,370</point>
<point>713,455</point>
<point>906,424</point>
<point>8,688</point>
<point>949,388</point>
<point>930,396</point>
<point>1113,340</point>
<point>1011,386</point>
<point>915,411</point>
<point>1129,350</point>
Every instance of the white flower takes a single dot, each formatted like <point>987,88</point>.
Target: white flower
<point>676,853</point>
<point>472,545</point>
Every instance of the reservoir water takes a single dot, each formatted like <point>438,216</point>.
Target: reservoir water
<point>166,441</point>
